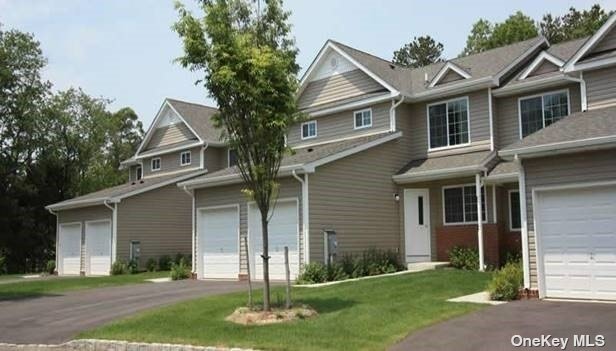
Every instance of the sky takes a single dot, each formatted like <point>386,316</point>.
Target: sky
<point>124,50</point>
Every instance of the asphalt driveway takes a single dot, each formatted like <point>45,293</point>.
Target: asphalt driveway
<point>58,318</point>
<point>492,328</point>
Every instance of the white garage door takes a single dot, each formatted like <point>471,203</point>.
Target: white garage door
<point>98,247</point>
<point>69,254</point>
<point>218,243</point>
<point>577,242</point>
<point>283,231</point>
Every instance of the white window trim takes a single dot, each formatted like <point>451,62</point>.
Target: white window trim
<point>160,164</point>
<point>137,173</point>
<point>355,127</point>
<point>463,204</point>
<point>468,122</point>
<point>182,158</point>
<point>512,229</point>
<point>301,130</point>
<point>520,99</point>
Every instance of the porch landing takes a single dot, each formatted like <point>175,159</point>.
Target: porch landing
<point>425,266</point>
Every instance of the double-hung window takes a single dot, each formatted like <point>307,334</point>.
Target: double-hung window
<point>448,123</point>
<point>309,130</point>
<point>537,112</point>
<point>460,204</point>
<point>515,219</point>
<point>363,118</point>
<point>155,165</point>
<point>185,158</point>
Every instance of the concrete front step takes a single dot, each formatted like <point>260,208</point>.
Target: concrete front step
<point>425,266</point>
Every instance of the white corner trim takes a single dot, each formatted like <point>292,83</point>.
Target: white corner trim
<point>544,56</point>
<point>590,43</point>
<point>491,116</point>
<point>524,223</point>
<point>449,66</point>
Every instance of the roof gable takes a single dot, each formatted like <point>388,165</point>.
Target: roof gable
<point>543,63</point>
<point>593,42</point>
<point>448,73</point>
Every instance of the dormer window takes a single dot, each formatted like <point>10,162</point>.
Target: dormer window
<point>155,165</point>
<point>363,118</point>
<point>185,158</point>
<point>309,130</point>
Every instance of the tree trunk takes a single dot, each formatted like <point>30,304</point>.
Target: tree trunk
<point>265,256</point>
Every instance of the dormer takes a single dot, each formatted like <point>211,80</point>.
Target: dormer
<point>450,72</point>
<point>598,51</point>
<point>542,64</point>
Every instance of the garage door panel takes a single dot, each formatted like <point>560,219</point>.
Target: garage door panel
<point>70,249</point>
<point>98,247</point>
<point>218,243</point>
<point>577,236</point>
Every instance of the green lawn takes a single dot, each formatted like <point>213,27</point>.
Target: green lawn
<point>53,285</point>
<point>366,315</point>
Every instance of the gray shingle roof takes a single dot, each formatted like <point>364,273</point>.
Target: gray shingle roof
<point>578,126</point>
<point>199,117</point>
<point>503,168</point>
<point>443,163</point>
<point>124,189</point>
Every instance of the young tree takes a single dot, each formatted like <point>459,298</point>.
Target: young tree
<point>248,60</point>
<point>485,36</point>
<point>421,51</point>
<point>575,24</point>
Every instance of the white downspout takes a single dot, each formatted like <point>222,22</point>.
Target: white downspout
<point>583,96</point>
<point>491,119</point>
<point>524,222</point>
<point>305,214</point>
<point>57,236</point>
<point>479,221</point>
<point>392,113</point>
<point>114,229</point>
<point>193,255</point>
<point>202,163</point>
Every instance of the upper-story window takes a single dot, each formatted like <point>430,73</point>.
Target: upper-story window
<point>232,157</point>
<point>138,173</point>
<point>155,165</point>
<point>363,118</point>
<point>448,123</point>
<point>309,130</point>
<point>539,111</point>
<point>185,158</point>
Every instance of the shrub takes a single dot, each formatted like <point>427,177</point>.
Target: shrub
<point>180,270</point>
<point>312,273</point>
<point>2,263</point>
<point>513,257</point>
<point>50,268</point>
<point>506,282</point>
<point>336,272</point>
<point>133,266</point>
<point>464,258</point>
<point>164,263</point>
<point>150,265</point>
<point>180,256</point>
<point>119,267</point>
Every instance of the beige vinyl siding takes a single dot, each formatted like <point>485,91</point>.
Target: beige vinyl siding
<point>215,158</point>
<point>607,43</point>
<point>171,162</point>
<point>450,76</point>
<point>507,117</point>
<point>232,195</point>
<point>341,125</point>
<point>600,87</point>
<point>171,134</point>
<point>559,170</point>
<point>159,219</point>
<point>81,215</point>
<point>545,67</point>
<point>337,87</point>
<point>479,124</point>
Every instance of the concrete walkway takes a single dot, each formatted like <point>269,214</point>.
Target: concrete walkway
<point>59,318</point>
<point>492,328</point>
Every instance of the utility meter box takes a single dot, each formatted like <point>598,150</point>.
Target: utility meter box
<point>331,246</point>
<point>135,250</point>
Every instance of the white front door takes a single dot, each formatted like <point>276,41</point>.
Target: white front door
<point>283,231</point>
<point>98,247</point>
<point>576,231</point>
<point>417,225</point>
<point>69,246</point>
<point>218,242</point>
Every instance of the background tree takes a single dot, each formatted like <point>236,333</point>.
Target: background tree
<point>485,36</point>
<point>573,25</point>
<point>421,51</point>
<point>248,59</point>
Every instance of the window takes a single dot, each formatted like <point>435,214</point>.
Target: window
<point>363,118</point>
<point>515,219</point>
<point>460,204</point>
<point>185,158</point>
<point>309,130</point>
<point>537,112</point>
<point>232,158</point>
<point>448,123</point>
<point>155,166</point>
<point>138,173</point>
